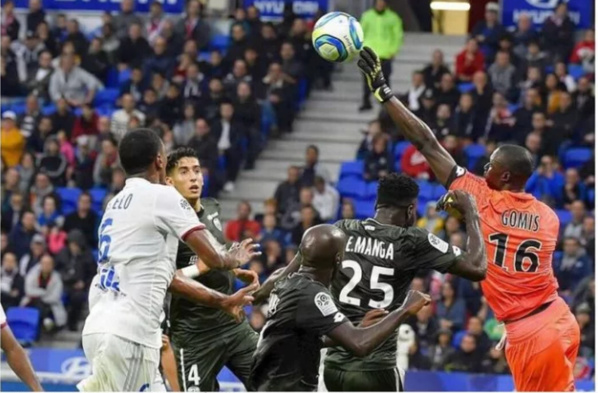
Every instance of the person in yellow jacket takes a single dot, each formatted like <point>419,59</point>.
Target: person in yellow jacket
<point>12,141</point>
<point>383,32</point>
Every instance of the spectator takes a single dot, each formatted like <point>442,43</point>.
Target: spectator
<point>573,266</point>
<point>312,167</point>
<point>583,314</point>
<point>367,143</point>
<point>269,208</point>
<point>77,268</point>
<point>589,236</point>
<point>240,18</point>
<point>253,19</point>
<point>378,163</point>
<point>183,131</point>
<point>10,23</point>
<point>442,126</point>
<point>96,61</point>
<point>84,164</point>
<point>270,231</point>
<point>239,74</point>
<point>106,162</point>
<point>434,71</point>
<point>442,349</point>
<point>417,361</point>
<point>28,121</point>
<point>466,358</point>
<point>84,219</point>
<point>205,146</point>
<point>469,61</point>
<point>133,49</point>
<point>155,22</point>
<point>573,188</point>
<point>76,38</point>
<point>126,18</point>
<point>287,192</point>
<point>33,254</point>
<point>121,117</point>
<point>38,77</point>
<point>237,230</point>
<point>171,107</point>
<point>192,26</point>
<point>50,215</point>
<point>524,114</point>
<point>585,52</point>
<point>463,121</point>
<point>383,30</point>
<point>59,28</point>
<point>583,99</point>
<point>564,122</point>
<point>292,69</point>
<point>431,221</point>
<point>495,362</point>
<point>86,124</point>
<point>425,326</point>
<point>560,70</point>
<point>558,31</point>
<point>272,258</point>
<point>488,32</point>
<point>28,52</point>
<point>43,290</point>
<point>309,218</point>
<point>535,59</point>
<point>135,86</point>
<point>414,164</point>
<point>326,199</point>
<point>450,309</point>
<point>239,43</point>
<point>56,239</point>
<point>12,213</point>
<point>12,284</point>
<point>475,328</point>
<point>12,140</point>
<point>482,94</point>
<point>413,96</point>
<point>523,35</point>
<point>110,42</point>
<point>279,97</point>
<point>546,183</point>
<point>502,75</point>
<point>249,114</point>
<point>291,216</point>
<point>53,163</point>
<point>174,42</point>
<point>210,103</point>
<point>256,66</point>
<point>72,83</point>
<point>39,190</point>
<point>447,93</point>
<point>229,132</point>
<point>159,61</point>
<point>193,84</point>
<point>347,210</point>
<point>150,105</point>
<point>500,120</point>
<point>63,119</point>
<point>269,42</point>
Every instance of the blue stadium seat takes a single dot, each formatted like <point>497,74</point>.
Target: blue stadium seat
<point>364,209</point>
<point>513,107</point>
<point>124,76</point>
<point>458,337</point>
<point>351,187</point>
<point>301,93</point>
<point>219,42</point>
<point>24,323</point>
<point>352,168</point>
<point>564,217</point>
<point>68,197</point>
<point>48,110</point>
<point>97,197</point>
<point>576,71</point>
<point>105,110</point>
<point>113,78</point>
<point>426,190</point>
<point>577,156</point>
<point>371,189</point>
<point>591,196</point>
<point>474,152</point>
<point>204,56</point>
<point>557,255</point>
<point>465,87</point>
<point>106,96</point>
<point>19,108</point>
<point>400,148</point>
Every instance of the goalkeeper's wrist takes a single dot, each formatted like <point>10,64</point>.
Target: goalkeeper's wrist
<point>383,93</point>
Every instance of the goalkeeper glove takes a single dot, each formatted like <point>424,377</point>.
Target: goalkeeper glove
<point>369,64</point>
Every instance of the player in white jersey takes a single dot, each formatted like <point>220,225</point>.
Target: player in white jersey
<point>138,241</point>
<point>16,357</point>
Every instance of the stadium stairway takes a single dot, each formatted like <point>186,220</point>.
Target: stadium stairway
<point>331,121</point>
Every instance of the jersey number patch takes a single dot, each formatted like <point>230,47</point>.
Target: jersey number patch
<point>377,272</point>
<point>522,255</point>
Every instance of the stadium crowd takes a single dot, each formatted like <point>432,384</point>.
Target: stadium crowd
<point>69,96</point>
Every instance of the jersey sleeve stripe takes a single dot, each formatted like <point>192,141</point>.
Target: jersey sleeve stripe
<point>191,230</point>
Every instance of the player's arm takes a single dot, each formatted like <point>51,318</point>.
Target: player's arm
<point>196,292</point>
<point>263,293</point>
<point>361,341</point>
<point>169,364</point>
<point>198,241</point>
<point>413,128</point>
<point>473,264</point>
<point>18,360</point>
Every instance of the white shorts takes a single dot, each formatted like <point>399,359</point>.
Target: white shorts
<point>118,365</point>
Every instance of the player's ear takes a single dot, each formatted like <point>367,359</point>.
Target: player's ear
<point>505,176</point>
<point>169,181</point>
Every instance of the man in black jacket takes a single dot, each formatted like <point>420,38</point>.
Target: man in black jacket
<point>35,16</point>
<point>12,284</point>
<point>83,219</point>
<point>192,26</point>
<point>287,192</point>
<point>133,49</point>
<point>205,146</point>
<point>228,133</point>
<point>249,114</point>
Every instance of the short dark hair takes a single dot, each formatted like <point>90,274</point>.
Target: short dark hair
<point>175,156</point>
<point>396,190</point>
<point>85,194</point>
<point>314,148</point>
<point>138,149</point>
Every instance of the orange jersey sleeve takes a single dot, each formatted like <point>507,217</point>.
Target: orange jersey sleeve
<point>520,234</point>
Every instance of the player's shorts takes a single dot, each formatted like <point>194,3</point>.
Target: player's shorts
<point>388,380</point>
<point>200,363</point>
<point>118,364</point>
<point>542,349</point>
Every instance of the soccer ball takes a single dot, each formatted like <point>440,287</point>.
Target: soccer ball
<point>337,36</point>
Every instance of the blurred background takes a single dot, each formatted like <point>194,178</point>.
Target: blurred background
<point>305,146</point>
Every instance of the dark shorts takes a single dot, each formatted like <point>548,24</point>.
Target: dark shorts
<point>388,380</point>
<point>200,364</point>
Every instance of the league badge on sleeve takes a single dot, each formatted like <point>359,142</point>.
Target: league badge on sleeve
<point>325,304</point>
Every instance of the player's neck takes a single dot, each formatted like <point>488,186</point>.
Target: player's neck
<point>150,177</point>
<point>320,275</point>
<point>196,203</point>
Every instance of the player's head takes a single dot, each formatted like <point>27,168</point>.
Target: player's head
<point>322,248</point>
<point>142,154</point>
<point>396,199</point>
<point>184,173</point>
<point>509,168</point>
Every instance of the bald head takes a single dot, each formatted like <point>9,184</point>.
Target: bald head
<point>516,159</point>
<point>322,246</point>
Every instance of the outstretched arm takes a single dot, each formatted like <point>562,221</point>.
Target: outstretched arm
<point>18,361</point>
<point>413,128</point>
<point>264,292</point>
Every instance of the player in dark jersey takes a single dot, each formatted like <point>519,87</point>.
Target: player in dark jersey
<point>382,256</point>
<point>205,339</point>
<point>301,311</point>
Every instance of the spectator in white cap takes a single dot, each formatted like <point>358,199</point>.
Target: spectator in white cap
<point>488,32</point>
<point>12,141</point>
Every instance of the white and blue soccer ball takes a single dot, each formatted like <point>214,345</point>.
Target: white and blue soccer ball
<point>337,37</point>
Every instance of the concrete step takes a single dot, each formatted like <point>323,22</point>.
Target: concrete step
<point>253,190</point>
<point>228,207</point>
<point>280,167</point>
<point>350,134</point>
<point>336,156</point>
<point>351,92</point>
<point>346,118</point>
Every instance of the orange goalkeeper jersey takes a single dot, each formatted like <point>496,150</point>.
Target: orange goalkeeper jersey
<point>520,234</point>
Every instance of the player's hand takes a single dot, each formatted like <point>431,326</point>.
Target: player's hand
<point>415,301</point>
<point>165,341</point>
<point>457,203</point>
<point>369,65</point>
<point>233,304</point>
<point>372,317</point>
<point>245,251</point>
<point>248,277</point>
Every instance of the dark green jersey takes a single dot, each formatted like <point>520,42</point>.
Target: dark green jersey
<point>380,263</point>
<point>191,321</point>
<point>287,357</point>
